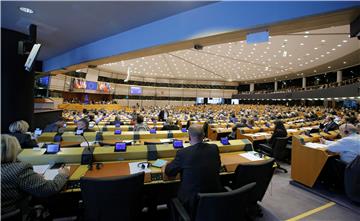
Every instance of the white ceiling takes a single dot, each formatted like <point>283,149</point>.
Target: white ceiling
<point>239,61</point>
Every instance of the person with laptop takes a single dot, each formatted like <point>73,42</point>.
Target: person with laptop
<point>199,166</point>
<point>19,181</point>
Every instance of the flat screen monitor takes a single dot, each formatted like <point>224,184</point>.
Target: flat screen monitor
<point>135,90</point>
<point>351,104</point>
<point>52,148</point>
<point>91,85</point>
<point>234,101</point>
<point>199,100</point>
<point>120,147</point>
<point>178,144</point>
<point>214,100</point>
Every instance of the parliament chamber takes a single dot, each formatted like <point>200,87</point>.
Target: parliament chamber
<point>180,110</point>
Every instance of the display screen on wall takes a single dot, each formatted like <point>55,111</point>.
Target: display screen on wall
<point>78,83</point>
<point>214,100</point>
<point>104,87</point>
<point>234,101</point>
<point>91,85</point>
<point>135,90</point>
<point>199,100</point>
<point>43,81</point>
<point>352,104</point>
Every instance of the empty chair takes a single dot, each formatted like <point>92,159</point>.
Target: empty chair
<point>229,206</point>
<point>352,180</point>
<point>278,150</point>
<point>261,174</point>
<point>114,198</point>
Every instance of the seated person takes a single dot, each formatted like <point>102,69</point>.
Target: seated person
<point>279,131</point>
<point>232,135</point>
<point>117,121</point>
<point>250,123</point>
<point>233,119</point>
<point>348,146</point>
<point>19,129</point>
<point>199,167</point>
<point>54,127</point>
<point>329,124</point>
<point>83,124</point>
<point>140,125</point>
<point>19,181</point>
<point>242,123</point>
<point>170,125</point>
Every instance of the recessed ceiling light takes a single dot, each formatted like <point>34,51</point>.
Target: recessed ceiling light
<point>344,41</point>
<point>307,32</point>
<point>323,41</point>
<point>339,45</point>
<point>329,66</point>
<point>315,48</point>
<point>344,62</point>
<point>305,36</point>
<point>26,10</point>
<point>301,44</point>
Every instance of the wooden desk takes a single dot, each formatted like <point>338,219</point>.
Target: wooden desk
<point>106,153</point>
<point>217,133</point>
<point>306,163</point>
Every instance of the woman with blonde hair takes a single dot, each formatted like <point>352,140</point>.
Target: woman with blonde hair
<point>19,130</point>
<point>19,181</point>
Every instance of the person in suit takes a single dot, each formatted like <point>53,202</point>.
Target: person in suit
<point>83,124</point>
<point>54,127</point>
<point>19,129</point>
<point>199,167</point>
<point>19,181</point>
<point>329,124</point>
<point>279,131</point>
<point>140,125</point>
<point>163,115</point>
<point>117,121</point>
<point>170,125</point>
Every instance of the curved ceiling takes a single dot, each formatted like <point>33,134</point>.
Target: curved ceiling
<point>64,25</point>
<point>282,56</point>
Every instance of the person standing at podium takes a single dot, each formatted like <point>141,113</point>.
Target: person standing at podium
<point>199,167</point>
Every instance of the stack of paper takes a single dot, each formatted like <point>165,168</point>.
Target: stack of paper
<point>40,169</point>
<point>166,140</point>
<point>315,145</point>
<point>135,168</point>
<point>50,174</point>
<point>251,155</point>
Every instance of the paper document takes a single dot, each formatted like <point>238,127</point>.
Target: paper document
<point>315,145</point>
<point>251,155</point>
<point>262,134</point>
<point>291,130</point>
<point>50,174</point>
<point>40,169</point>
<point>166,140</point>
<point>135,168</point>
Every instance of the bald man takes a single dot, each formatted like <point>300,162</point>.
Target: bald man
<point>349,146</point>
<point>199,167</point>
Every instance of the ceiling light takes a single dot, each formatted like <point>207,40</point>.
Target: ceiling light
<point>333,49</point>
<point>323,41</point>
<point>339,45</point>
<point>284,54</point>
<point>305,36</point>
<point>307,32</point>
<point>301,44</point>
<point>344,41</point>
<point>26,10</point>
<point>344,62</point>
<point>315,48</point>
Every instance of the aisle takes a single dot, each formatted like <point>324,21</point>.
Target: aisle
<point>288,202</point>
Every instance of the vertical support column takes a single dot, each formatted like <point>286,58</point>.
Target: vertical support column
<point>252,87</point>
<point>275,86</point>
<point>338,76</point>
<point>304,82</point>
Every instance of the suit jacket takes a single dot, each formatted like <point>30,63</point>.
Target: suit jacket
<point>19,181</point>
<point>277,133</point>
<point>24,140</point>
<point>170,127</point>
<point>162,115</point>
<point>199,167</point>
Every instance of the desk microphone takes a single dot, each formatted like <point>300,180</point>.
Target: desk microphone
<point>87,155</point>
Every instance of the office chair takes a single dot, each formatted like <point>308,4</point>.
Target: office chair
<point>114,198</point>
<point>352,180</point>
<point>229,206</point>
<point>12,216</point>
<point>278,150</point>
<point>261,174</point>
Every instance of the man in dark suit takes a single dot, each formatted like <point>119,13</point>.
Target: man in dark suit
<point>163,115</point>
<point>199,167</point>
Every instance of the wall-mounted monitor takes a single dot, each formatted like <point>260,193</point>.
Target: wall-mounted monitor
<point>234,101</point>
<point>91,85</point>
<point>135,90</point>
<point>214,100</point>
<point>32,57</point>
<point>104,87</point>
<point>78,83</point>
<point>352,104</point>
<point>199,100</point>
